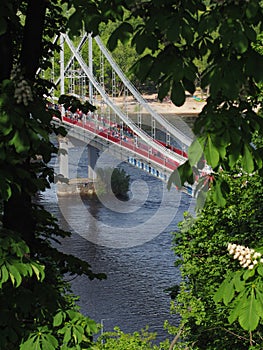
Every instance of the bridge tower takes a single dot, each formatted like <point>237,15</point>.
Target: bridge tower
<point>66,184</point>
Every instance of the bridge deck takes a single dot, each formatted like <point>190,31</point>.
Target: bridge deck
<point>126,141</point>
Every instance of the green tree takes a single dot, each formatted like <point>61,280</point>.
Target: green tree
<point>37,308</point>
<point>114,181</point>
<point>171,38</point>
<point>118,340</point>
<point>201,247</point>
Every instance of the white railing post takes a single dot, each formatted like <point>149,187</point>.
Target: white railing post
<point>91,68</point>
<point>62,66</point>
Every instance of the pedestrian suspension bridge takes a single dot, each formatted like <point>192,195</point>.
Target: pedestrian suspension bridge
<point>128,126</point>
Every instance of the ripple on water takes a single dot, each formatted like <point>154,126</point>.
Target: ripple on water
<point>133,294</point>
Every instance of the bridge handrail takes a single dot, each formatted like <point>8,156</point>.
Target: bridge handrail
<point>169,164</point>
<point>143,135</point>
<point>158,117</point>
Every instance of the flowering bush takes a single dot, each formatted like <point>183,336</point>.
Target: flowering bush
<point>242,290</point>
<point>219,314</point>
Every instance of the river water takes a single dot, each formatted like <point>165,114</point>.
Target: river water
<point>128,240</point>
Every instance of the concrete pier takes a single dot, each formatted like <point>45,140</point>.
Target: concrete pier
<point>77,186</point>
<point>80,186</point>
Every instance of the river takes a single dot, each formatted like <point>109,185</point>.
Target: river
<point>130,241</point>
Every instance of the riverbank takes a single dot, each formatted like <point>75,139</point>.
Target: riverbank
<point>193,104</point>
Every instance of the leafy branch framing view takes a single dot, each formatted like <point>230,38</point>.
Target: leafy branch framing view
<point>175,44</point>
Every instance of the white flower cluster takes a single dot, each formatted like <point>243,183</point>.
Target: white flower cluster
<point>23,93</point>
<point>247,257</point>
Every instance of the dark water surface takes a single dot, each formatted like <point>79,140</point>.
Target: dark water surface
<point>130,242</point>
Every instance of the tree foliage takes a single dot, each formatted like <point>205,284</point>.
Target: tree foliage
<point>73,103</point>
<point>118,340</point>
<point>170,37</point>
<point>114,181</point>
<point>37,308</point>
<point>201,246</point>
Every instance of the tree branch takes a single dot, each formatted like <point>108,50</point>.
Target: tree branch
<point>176,338</point>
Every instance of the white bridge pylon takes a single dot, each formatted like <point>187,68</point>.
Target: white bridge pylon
<point>184,139</point>
<point>178,134</point>
<point>86,71</point>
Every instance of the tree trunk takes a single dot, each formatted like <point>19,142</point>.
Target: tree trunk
<point>32,40</point>
<point>18,214</point>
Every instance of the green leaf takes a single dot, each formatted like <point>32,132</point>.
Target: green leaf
<point>189,85</point>
<point>177,94</point>
<point>238,283</point>
<point>187,33</point>
<point>77,334</point>
<point>58,319</point>
<point>260,269</point>
<point>250,32</point>
<point>211,153</point>
<point>235,312</point>
<point>254,66</point>
<point>229,292</point>
<point>141,42</point>
<point>249,318</point>
<point>252,8</point>
<point>121,33</point>
<point>142,67</point>
<point>73,314</point>
<point>14,274</point>
<point>5,188</point>
<point>200,200</point>
<point>19,248</point>
<point>195,151</point>
<point>186,173</point>
<point>225,291</point>
<point>259,297</point>
<point>29,344</point>
<point>218,296</point>
<point>164,89</point>
<point>247,160</point>
<point>174,179</point>
<point>4,274</point>
<point>67,334</point>
<point>217,194</point>
<point>248,274</point>
<point>20,141</point>
<point>38,270</point>
<point>74,24</point>
<point>240,42</point>
<point>49,342</point>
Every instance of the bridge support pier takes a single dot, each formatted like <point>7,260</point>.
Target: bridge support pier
<point>63,157</point>
<point>92,159</point>
<point>67,186</point>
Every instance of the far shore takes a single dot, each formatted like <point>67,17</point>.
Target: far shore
<point>187,112</point>
<point>192,107</point>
